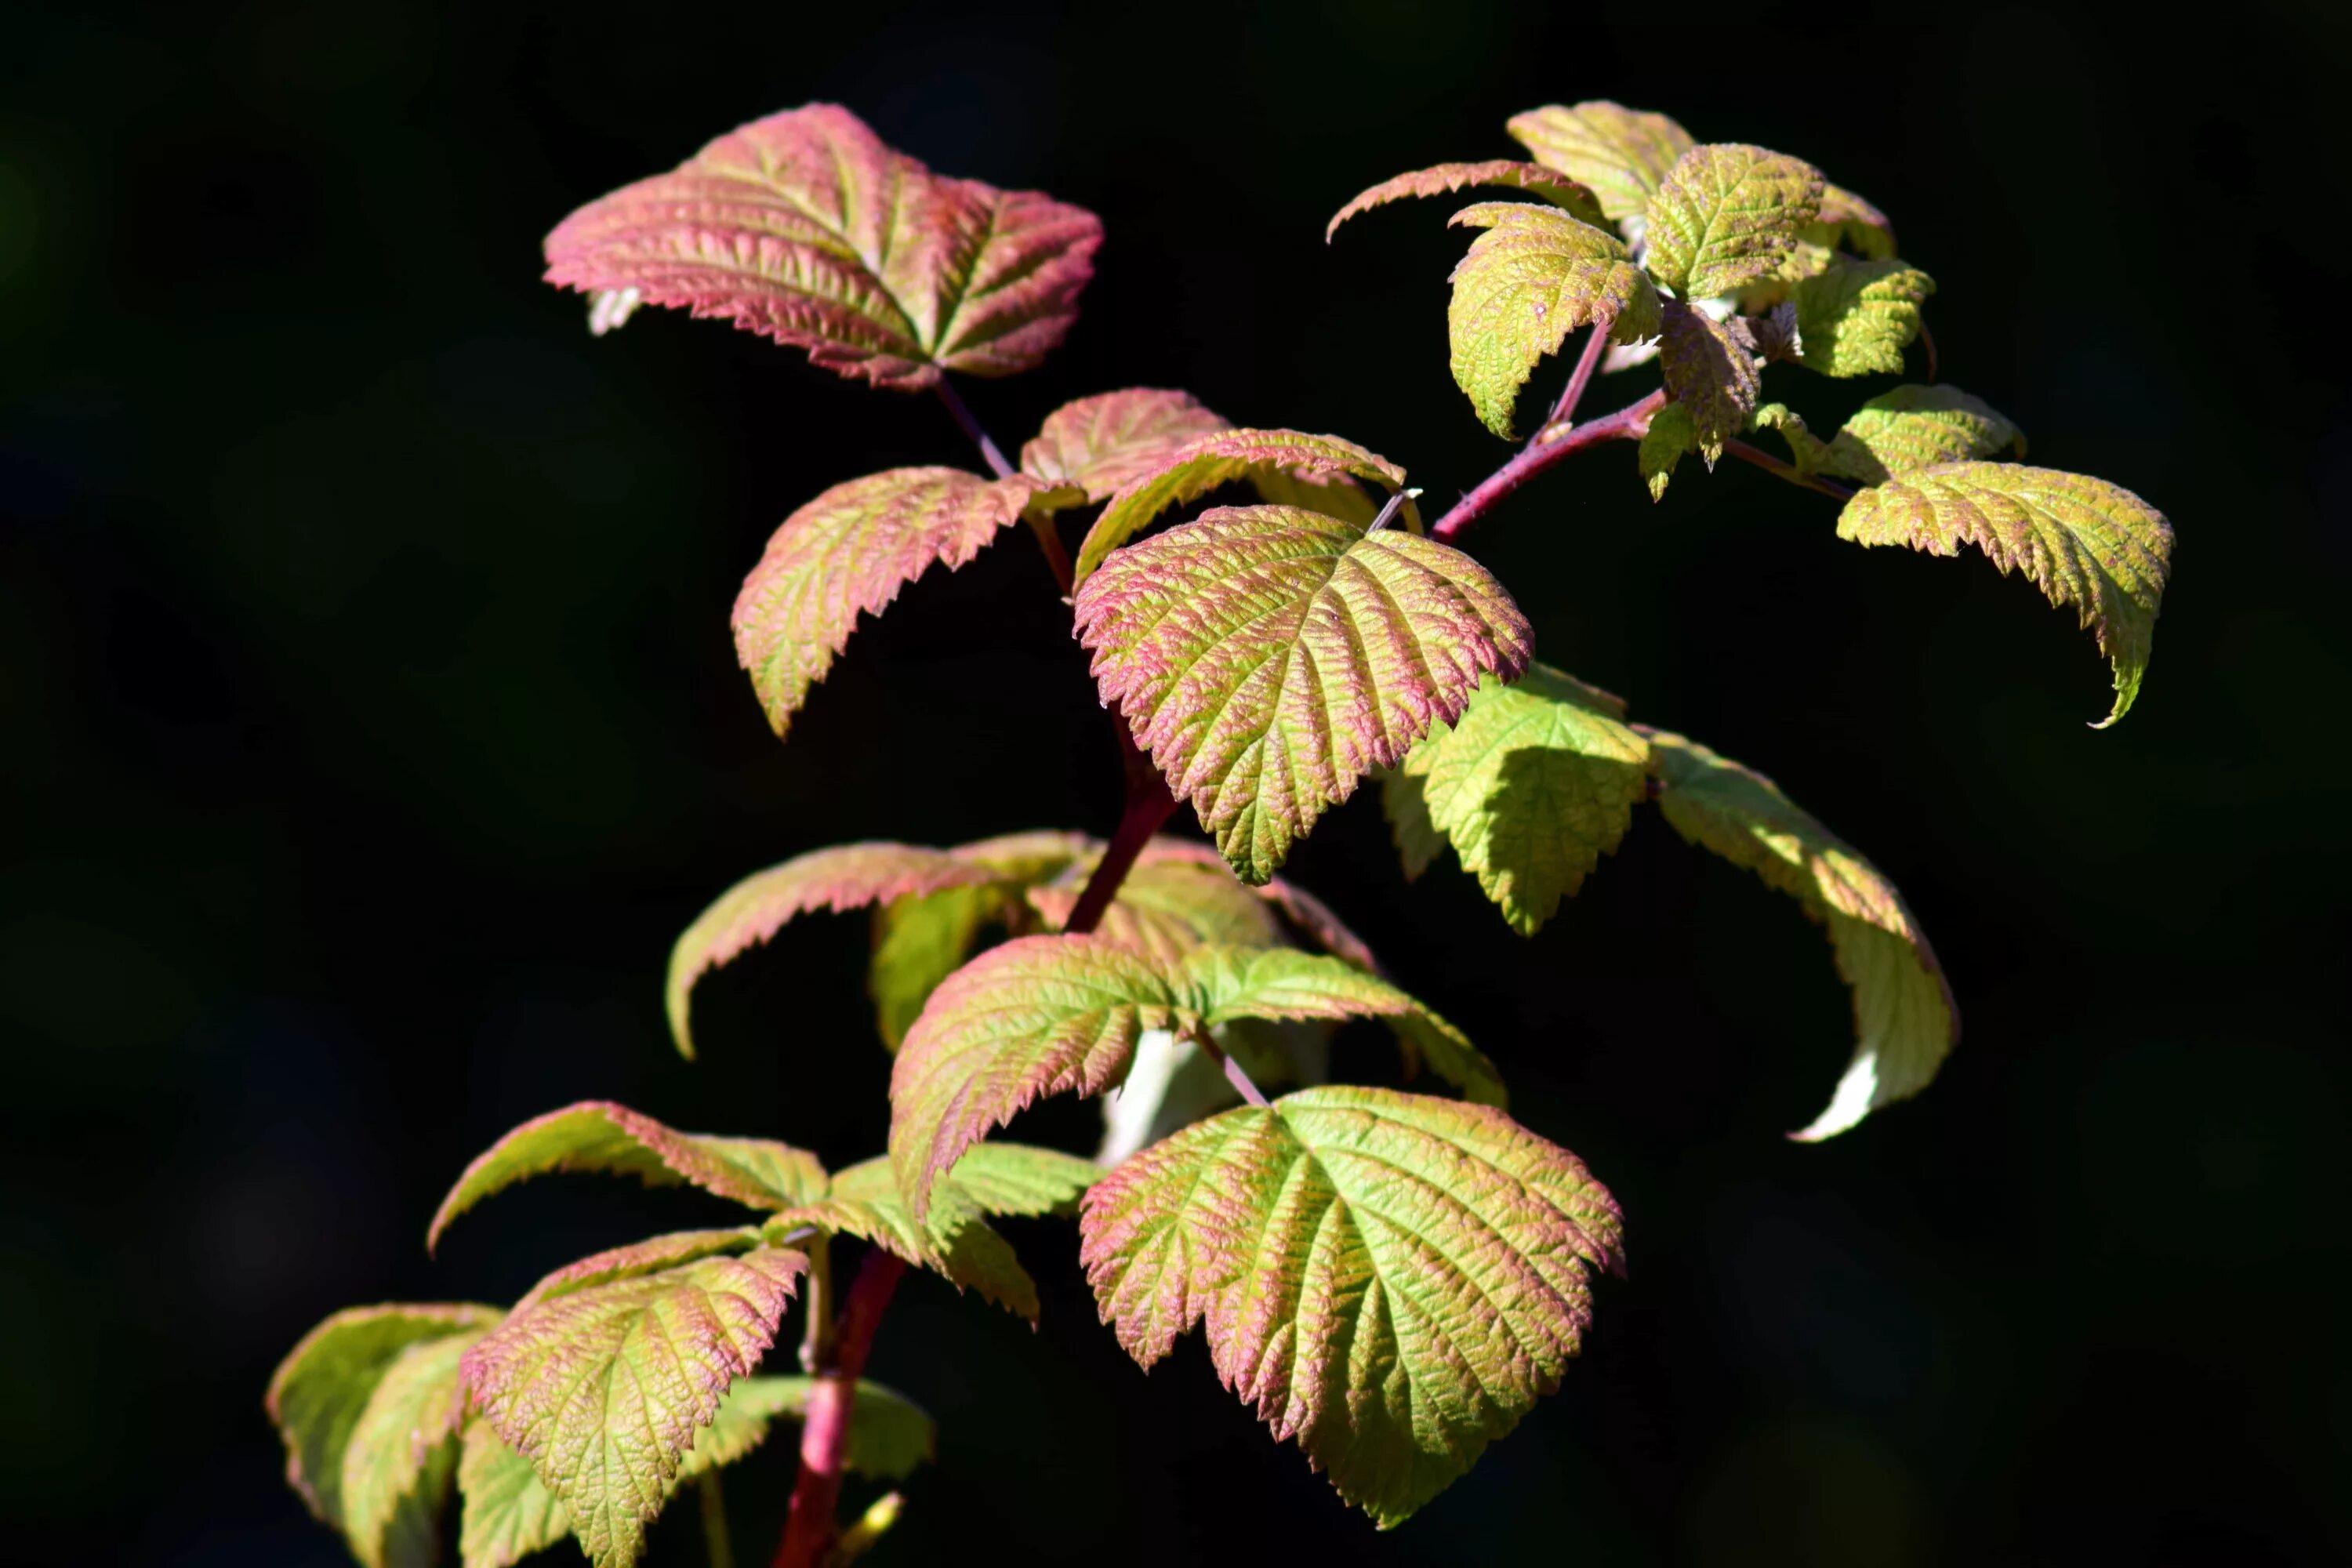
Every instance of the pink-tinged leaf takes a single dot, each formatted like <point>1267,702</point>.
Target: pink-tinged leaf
<point>1445,178</point>
<point>1727,215</point>
<point>318,1391</point>
<point>651,1256</point>
<point>1167,907</point>
<point>1097,444</point>
<point>1057,1015</point>
<point>1621,153</point>
<point>806,229</point>
<point>844,877</point>
<point>604,1389</point>
<point>403,1452</point>
<point>1389,1280</point>
<point>1314,918</point>
<point>600,1135</point>
<point>1278,461</point>
<point>1268,658</point>
<point>848,553</point>
<point>1847,219</point>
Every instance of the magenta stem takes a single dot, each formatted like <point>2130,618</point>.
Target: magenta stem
<point>809,1530</point>
<point>1786,471</point>
<point>1628,424</point>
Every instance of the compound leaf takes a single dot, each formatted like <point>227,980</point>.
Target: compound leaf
<point>1099,444</point>
<point>1855,317</point>
<point>1265,657</point>
<point>804,228</point>
<point>1620,154</point>
<point>849,551</point>
<point>604,1389</point>
<point>600,1135</point>
<point>1711,370</point>
<point>1904,1023</point>
<point>1531,785</point>
<point>1284,463</point>
<point>844,877</point>
<point>1534,276</point>
<point>1444,178</point>
<point>1727,215</point>
<point>1389,1280</point>
<point>402,1452</point>
<point>320,1389</point>
<point>1054,1014</point>
<point>2082,542</point>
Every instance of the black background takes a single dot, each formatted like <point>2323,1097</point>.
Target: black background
<point>372,727</point>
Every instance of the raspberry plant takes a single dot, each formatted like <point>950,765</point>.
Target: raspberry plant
<point>1389,1279</point>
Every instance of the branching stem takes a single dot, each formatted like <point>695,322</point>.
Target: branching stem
<point>1628,424</point>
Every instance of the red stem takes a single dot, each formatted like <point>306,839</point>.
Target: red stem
<point>1628,424</point>
<point>1149,805</point>
<point>1786,471</point>
<point>1579,378</point>
<point>971,426</point>
<point>809,1531</point>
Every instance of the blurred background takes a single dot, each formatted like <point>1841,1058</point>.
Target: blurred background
<point>372,727</point>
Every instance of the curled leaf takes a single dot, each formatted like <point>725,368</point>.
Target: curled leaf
<point>2082,542</point>
<point>1535,276</point>
<point>1266,659</point>
<point>1855,317</point>
<point>1727,215</point>
<point>1097,444</point>
<point>1848,220</point>
<point>1620,154</point>
<point>1898,432</point>
<point>806,228</point>
<point>1670,434</point>
<point>1444,178</point>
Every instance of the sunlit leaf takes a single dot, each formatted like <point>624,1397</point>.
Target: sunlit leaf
<point>848,553</point>
<point>1846,219</point>
<point>804,228</point>
<point>1531,785</point>
<point>1726,214</point>
<point>1855,317</point>
<point>1166,907</point>
<point>1670,434</point>
<point>2082,542</point>
<point>1904,1022</point>
<point>652,1255</point>
<point>1711,370</point>
<point>1899,432</point>
<point>1268,658</point>
<point>403,1453</point>
<point>1621,153</point>
<point>1535,276</point>
<point>1097,444</point>
<point>1533,178</point>
<point>1389,1280</point>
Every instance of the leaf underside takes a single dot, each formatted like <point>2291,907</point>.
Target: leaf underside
<point>1904,1022</point>
<point>1445,178</point>
<point>1389,1280</point>
<point>1097,444</point>
<point>806,228</point>
<point>1266,657</point>
<point>1711,373</point>
<point>2082,542</point>
<point>1620,154</point>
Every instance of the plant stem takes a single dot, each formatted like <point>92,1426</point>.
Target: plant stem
<point>1148,806</point>
<point>1786,471</point>
<point>717,1544</point>
<point>810,1530</point>
<point>988,452</point>
<point>1562,411</point>
<point>1628,424</point>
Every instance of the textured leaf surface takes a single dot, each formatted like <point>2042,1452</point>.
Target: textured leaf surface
<point>1848,220</point>
<point>404,1450</point>
<point>602,1389</point>
<point>600,1135</point>
<point>1099,444</point>
<point>652,1255</point>
<point>919,940</point>
<point>1899,432</point>
<point>1855,317</point>
<point>804,228</point>
<point>1531,785</point>
<point>507,1513</point>
<point>845,877</point>
<point>2082,542</point>
<point>318,1391</point>
<point>1670,434</point>
<point>1711,370</point>
<point>1534,276</point>
<point>1273,459</point>
<point>1389,1280</point>
<point>1904,1022</point>
<point>1621,153</point>
<point>1444,178</point>
<point>1166,907</point>
<point>848,553</point>
<point>1057,1015</point>
<point>1727,215</point>
<point>1266,657</point>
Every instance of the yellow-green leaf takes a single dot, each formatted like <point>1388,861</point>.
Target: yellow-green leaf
<point>1856,318</point>
<point>1445,178</point>
<point>403,1451</point>
<point>1621,153</point>
<point>1670,434</point>
<point>1727,215</point>
<point>1900,432</point>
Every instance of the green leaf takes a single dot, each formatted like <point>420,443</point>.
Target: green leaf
<point>1711,370</point>
<point>1166,907</point>
<point>1847,219</point>
<point>508,1512</point>
<point>1904,1022</point>
<point>1277,461</point>
<point>849,551</point>
<point>402,1452</point>
<point>1266,657</point>
<point>1535,276</point>
<point>1055,1015</point>
<point>1445,178</point>
<point>1622,153</point>
<point>600,1135</point>
<point>1670,434</point>
<point>320,1391</point>
<point>1855,317</point>
<point>804,228</point>
<point>654,1255</point>
<point>1531,785</point>
<point>1389,1280</point>
<point>2082,542</point>
<point>1727,215</point>
<point>845,877</point>
<point>919,940</point>
<point>1097,444</point>
<point>1899,432</point>
<point>604,1389</point>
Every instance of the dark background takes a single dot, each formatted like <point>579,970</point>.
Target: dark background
<point>373,728</point>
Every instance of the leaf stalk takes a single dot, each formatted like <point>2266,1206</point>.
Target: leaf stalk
<point>810,1534</point>
<point>1786,471</point>
<point>1628,424</point>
